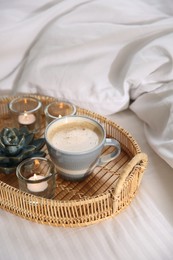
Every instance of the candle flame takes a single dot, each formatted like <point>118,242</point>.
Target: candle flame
<point>25,100</point>
<point>60,116</point>
<point>25,114</point>
<point>36,162</point>
<point>35,176</point>
<point>61,105</point>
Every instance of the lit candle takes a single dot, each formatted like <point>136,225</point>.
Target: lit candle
<point>58,109</point>
<point>26,119</point>
<point>37,187</point>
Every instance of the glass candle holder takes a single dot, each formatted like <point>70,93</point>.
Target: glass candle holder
<point>37,176</point>
<point>26,111</point>
<point>58,109</point>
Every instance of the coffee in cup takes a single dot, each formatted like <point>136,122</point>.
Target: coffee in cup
<point>76,136</point>
<point>75,144</point>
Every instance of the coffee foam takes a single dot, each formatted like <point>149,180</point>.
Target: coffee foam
<point>75,136</point>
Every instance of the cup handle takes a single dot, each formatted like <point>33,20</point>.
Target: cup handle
<point>109,157</point>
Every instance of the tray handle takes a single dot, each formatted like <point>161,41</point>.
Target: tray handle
<point>139,160</point>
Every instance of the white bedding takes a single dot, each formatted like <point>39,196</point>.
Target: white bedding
<point>103,55</point>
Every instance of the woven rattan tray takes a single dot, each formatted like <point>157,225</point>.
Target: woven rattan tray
<point>105,193</point>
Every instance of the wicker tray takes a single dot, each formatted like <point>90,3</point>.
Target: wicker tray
<point>105,193</point>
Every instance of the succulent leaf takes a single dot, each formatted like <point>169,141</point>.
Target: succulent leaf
<point>38,154</point>
<point>11,149</point>
<point>16,131</point>
<point>21,140</point>
<point>6,140</point>
<point>38,143</point>
<point>29,138</point>
<point>2,145</point>
<point>24,130</point>
<point>4,131</point>
<point>15,140</point>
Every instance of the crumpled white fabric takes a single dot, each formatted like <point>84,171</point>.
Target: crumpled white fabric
<point>156,110</point>
<point>101,55</point>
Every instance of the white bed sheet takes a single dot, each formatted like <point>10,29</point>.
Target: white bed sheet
<point>143,231</point>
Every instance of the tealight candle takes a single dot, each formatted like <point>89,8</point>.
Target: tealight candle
<point>26,119</point>
<point>58,109</point>
<point>38,186</point>
<point>37,175</point>
<point>26,111</point>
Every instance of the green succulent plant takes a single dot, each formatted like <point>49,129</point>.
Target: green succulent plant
<point>17,145</point>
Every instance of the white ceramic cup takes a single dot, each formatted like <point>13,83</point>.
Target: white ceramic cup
<point>75,144</point>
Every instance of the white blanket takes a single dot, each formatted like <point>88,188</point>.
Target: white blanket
<point>103,55</point>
